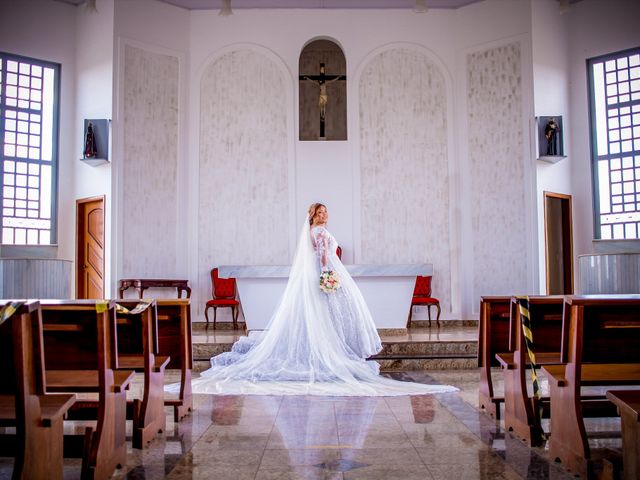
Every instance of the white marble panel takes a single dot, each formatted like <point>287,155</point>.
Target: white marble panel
<point>494,98</point>
<point>149,165</point>
<point>404,164</point>
<point>243,167</point>
<point>282,271</point>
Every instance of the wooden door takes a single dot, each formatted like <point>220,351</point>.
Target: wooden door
<point>558,243</point>
<point>90,248</point>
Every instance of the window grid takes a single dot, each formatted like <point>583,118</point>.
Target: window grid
<point>615,118</point>
<point>28,129</point>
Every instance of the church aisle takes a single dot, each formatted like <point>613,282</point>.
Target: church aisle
<point>428,437</point>
<point>268,437</point>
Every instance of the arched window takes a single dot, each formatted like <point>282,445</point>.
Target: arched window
<point>323,92</point>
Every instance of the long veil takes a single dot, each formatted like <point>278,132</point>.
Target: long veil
<point>301,352</point>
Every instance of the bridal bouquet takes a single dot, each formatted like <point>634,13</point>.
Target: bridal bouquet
<point>329,281</point>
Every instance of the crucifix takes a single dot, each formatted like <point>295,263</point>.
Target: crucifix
<point>322,81</point>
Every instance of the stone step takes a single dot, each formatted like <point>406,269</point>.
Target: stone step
<point>425,348</point>
<point>391,350</point>
<point>418,349</point>
<point>444,323</point>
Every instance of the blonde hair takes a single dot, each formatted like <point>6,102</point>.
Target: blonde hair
<point>313,210</point>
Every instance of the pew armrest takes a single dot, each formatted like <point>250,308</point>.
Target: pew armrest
<point>85,380</point>
<point>52,407</point>
<point>626,401</point>
<point>506,360</point>
<point>555,374</point>
<point>55,406</point>
<point>136,362</point>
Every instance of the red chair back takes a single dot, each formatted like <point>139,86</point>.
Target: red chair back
<point>339,252</point>
<point>222,287</point>
<point>423,286</point>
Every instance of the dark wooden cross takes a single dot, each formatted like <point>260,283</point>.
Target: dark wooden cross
<point>322,80</point>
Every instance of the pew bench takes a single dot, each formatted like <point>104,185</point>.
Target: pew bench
<point>493,337</point>
<point>80,352</point>
<point>137,326</point>
<point>600,347</point>
<point>628,404</point>
<point>521,411</point>
<point>24,405</point>
<point>175,341</point>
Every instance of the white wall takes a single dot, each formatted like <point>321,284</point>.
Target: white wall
<point>480,29</point>
<point>551,92</point>
<point>94,87</point>
<point>149,131</point>
<point>327,171</point>
<point>331,171</point>
<point>595,28</point>
<point>51,35</point>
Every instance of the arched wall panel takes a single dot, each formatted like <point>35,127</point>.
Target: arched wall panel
<point>404,166</point>
<point>149,166</point>
<point>495,111</point>
<point>243,208</point>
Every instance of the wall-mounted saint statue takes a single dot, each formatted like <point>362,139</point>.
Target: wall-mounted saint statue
<point>90,149</point>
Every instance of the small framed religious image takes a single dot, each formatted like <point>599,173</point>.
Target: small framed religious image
<point>550,138</point>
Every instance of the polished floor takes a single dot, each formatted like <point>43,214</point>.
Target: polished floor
<point>435,437</point>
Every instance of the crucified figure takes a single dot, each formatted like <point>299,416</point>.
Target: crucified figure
<point>322,83</point>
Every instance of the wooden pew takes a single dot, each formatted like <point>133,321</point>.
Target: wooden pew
<point>600,346</point>
<point>174,337</point>
<point>37,417</point>
<point>628,404</point>
<point>80,346</point>
<point>137,350</point>
<point>493,337</point>
<point>545,313</point>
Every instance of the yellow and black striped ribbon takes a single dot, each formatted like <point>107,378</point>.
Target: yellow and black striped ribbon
<point>8,310</point>
<point>525,319</point>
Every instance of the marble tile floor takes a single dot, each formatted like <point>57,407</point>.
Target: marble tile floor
<point>441,436</point>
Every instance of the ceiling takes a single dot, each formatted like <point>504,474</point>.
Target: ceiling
<point>311,4</point>
<point>333,4</point>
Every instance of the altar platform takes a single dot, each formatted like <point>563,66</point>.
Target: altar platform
<point>452,346</point>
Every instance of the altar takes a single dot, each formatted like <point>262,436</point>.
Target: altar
<point>387,289</point>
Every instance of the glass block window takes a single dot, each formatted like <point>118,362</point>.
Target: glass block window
<point>29,92</point>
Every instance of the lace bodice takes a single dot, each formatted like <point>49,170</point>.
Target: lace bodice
<point>324,245</point>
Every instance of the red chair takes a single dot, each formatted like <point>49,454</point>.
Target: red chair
<point>339,252</point>
<point>422,296</point>
<point>224,296</point>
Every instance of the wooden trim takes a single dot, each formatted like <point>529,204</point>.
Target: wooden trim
<point>80,248</point>
<point>567,231</point>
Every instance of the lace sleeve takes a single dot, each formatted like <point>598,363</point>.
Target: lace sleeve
<point>320,241</point>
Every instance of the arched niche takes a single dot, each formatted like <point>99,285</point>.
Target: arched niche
<point>322,91</point>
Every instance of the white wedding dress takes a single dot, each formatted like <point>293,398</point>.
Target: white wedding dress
<point>316,343</point>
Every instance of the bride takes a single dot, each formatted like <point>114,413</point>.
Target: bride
<point>316,343</point>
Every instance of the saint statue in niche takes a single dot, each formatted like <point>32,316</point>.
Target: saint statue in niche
<point>552,132</point>
<point>90,149</point>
